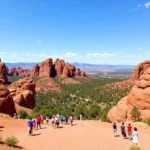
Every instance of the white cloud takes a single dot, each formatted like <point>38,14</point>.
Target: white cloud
<point>135,9</point>
<point>147,5</point>
<point>70,54</point>
<point>3,53</point>
<point>40,42</point>
<point>101,54</point>
<point>139,49</point>
<point>14,55</point>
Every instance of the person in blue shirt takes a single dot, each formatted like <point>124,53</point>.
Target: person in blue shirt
<point>30,126</point>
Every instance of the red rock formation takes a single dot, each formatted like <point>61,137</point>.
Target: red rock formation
<point>23,92</point>
<point>59,66</point>
<point>19,72</point>
<point>140,69</point>
<point>138,97</point>
<point>46,68</point>
<point>35,70</point>
<point>3,72</point>
<point>6,102</point>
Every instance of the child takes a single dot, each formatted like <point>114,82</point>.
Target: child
<point>135,136</point>
<point>30,126</point>
<point>123,130</point>
<point>114,129</point>
<point>53,121</point>
<point>34,124</point>
<point>129,131</point>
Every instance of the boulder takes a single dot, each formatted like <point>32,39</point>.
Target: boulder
<point>7,105</point>
<point>77,72</point>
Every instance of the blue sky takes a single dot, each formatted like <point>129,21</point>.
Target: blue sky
<point>91,31</point>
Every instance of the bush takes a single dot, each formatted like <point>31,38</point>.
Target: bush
<point>11,141</point>
<point>148,122</point>
<point>1,139</point>
<point>135,147</point>
<point>4,115</point>
<point>135,114</point>
<point>23,114</point>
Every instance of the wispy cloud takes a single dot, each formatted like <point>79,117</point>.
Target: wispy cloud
<point>3,53</point>
<point>14,55</point>
<point>135,9</point>
<point>70,54</point>
<point>139,48</point>
<point>147,5</point>
<point>40,41</point>
<point>101,54</point>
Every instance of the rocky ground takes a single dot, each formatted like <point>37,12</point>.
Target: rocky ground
<point>84,135</point>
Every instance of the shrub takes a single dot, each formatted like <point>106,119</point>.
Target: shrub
<point>11,141</point>
<point>135,147</point>
<point>4,115</point>
<point>135,114</point>
<point>148,122</point>
<point>23,114</point>
<point>1,139</point>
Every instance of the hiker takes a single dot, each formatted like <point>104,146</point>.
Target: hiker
<point>71,120</point>
<point>53,121</point>
<point>30,126</point>
<point>15,116</point>
<point>56,122</point>
<point>123,130</point>
<point>81,116</point>
<point>129,131</point>
<point>42,119</point>
<point>38,121</point>
<point>114,129</point>
<point>34,124</point>
<point>47,119</point>
<point>135,136</point>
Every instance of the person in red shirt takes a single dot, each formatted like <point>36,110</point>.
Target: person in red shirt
<point>130,131</point>
<point>38,121</point>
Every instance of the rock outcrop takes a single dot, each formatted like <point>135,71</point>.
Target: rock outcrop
<point>19,72</point>
<point>35,70</point>
<point>138,97</point>
<point>7,105</point>
<point>46,68</point>
<point>140,69</point>
<point>3,72</point>
<point>59,67</point>
<point>23,92</point>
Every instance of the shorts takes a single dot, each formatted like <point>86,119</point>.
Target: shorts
<point>130,133</point>
<point>115,130</point>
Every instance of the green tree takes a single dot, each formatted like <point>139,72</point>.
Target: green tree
<point>135,114</point>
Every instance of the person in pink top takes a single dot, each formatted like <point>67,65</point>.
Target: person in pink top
<point>34,124</point>
<point>38,121</point>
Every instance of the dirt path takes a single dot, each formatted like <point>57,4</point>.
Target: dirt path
<point>84,135</point>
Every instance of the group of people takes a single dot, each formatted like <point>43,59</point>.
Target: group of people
<point>55,121</point>
<point>132,133</point>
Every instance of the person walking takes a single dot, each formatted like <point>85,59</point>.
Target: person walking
<point>129,131</point>
<point>81,116</point>
<point>123,132</point>
<point>114,129</point>
<point>135,136</point>
<point>30,126</point>
<point>38,122</point>
<point>47,119</point>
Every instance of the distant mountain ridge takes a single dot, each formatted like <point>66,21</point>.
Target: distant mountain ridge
<point>28,65</point>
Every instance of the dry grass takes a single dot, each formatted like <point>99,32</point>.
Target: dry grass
<point>4,115</point>
<point>135,147</point>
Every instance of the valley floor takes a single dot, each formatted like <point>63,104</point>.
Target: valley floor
<point>84,135</point>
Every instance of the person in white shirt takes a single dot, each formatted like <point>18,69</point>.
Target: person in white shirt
<point>135,136</point>
<point>80,116</point>
<point>47,119</point>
